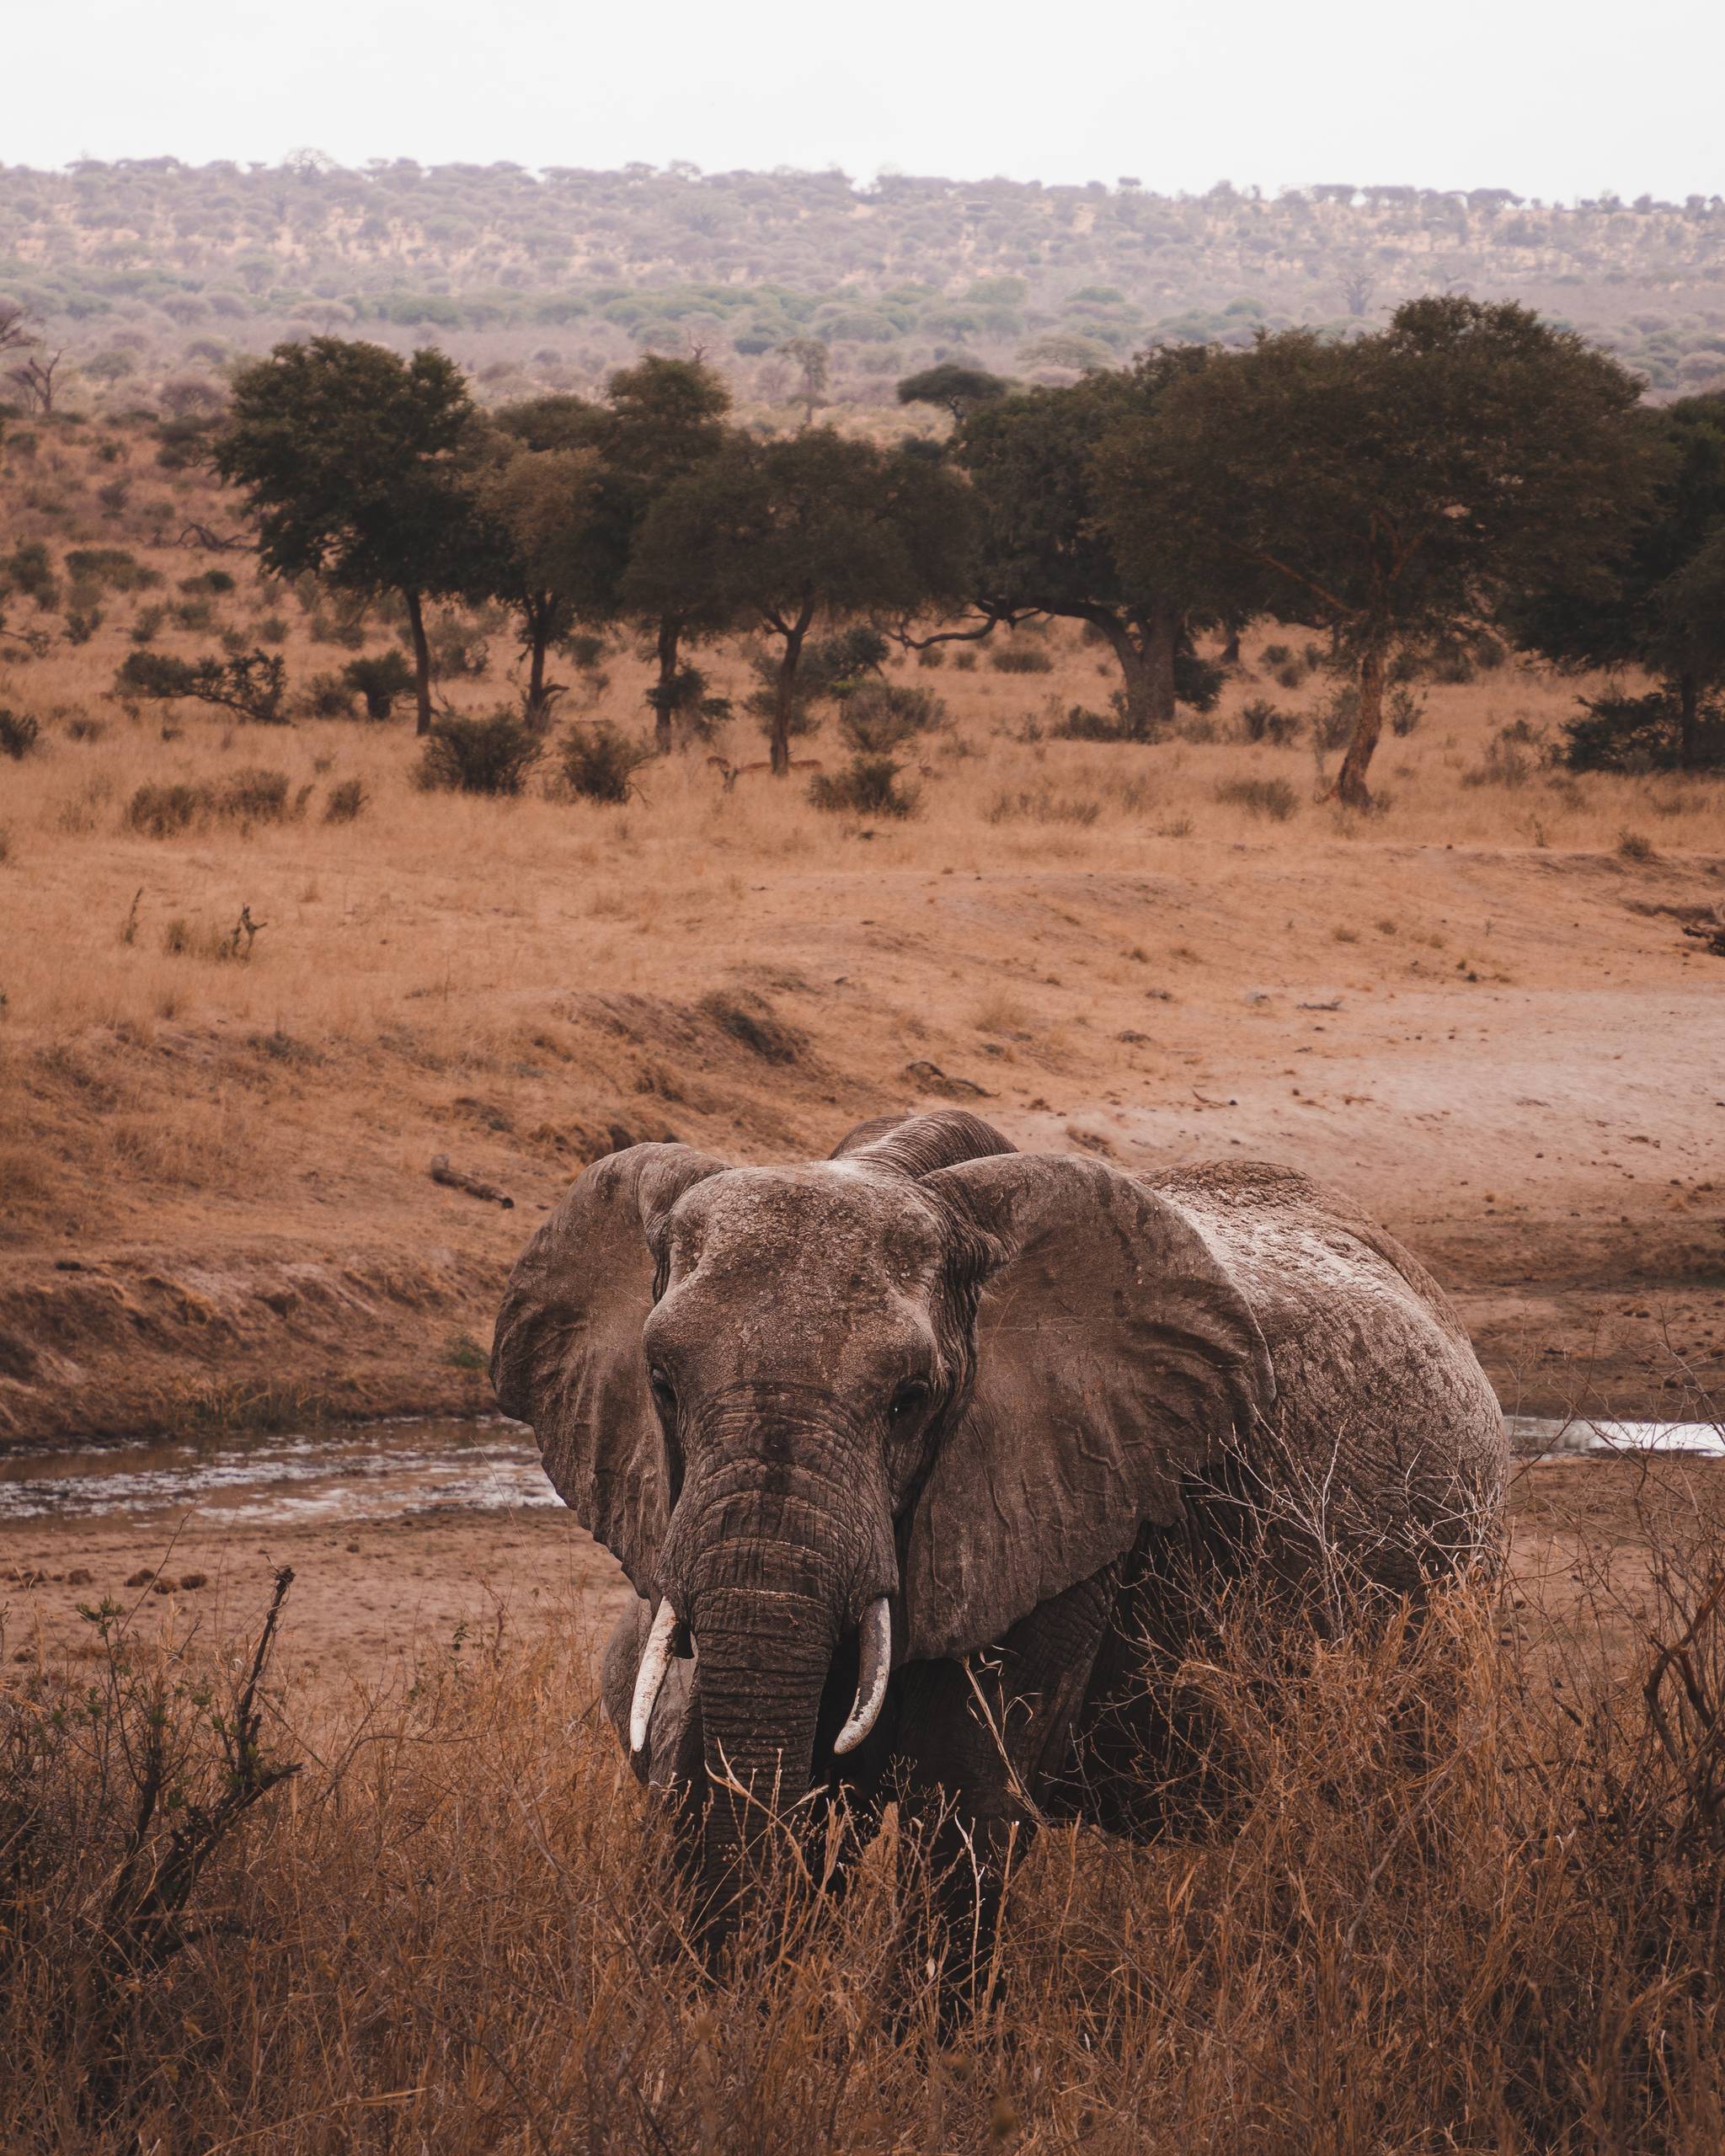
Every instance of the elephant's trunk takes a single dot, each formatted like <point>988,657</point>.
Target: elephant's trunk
<point>777,1553</point>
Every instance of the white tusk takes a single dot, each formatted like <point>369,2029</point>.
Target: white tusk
<point>654,1662</point>
<point>874,1665</point>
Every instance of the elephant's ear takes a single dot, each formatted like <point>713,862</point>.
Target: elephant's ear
<point>568,1355</point>
<point>1114,1355</point>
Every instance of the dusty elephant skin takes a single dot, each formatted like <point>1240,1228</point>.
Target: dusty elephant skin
<point>847,1423</point>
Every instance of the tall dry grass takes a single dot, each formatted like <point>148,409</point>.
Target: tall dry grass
<point>1470,1898</point>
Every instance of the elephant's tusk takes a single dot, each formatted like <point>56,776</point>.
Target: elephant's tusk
<point>874,1665</point>
<point>654,1662</point>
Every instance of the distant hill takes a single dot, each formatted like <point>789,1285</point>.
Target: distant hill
<point>142,266</point>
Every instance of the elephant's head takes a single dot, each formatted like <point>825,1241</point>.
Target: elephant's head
<point>837,1416</point>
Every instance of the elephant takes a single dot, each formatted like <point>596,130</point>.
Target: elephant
<point>913,1454</point>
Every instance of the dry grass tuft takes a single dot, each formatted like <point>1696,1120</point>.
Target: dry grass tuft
<point>1471,1898</point>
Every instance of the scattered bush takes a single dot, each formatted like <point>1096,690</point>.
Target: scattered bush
<point>1080,723</point>
<point>252,686</point>
<point>19,733</point>
<point>347,797</point>
<point>113,567</point>
<point>695,714</point>
<point>28,570</point>
<point>1635,846</point>
<point>1512,756</point>
<point>1333,720</point>
<point>1640,733</point>
<point>1272,797</point>
<point>249,796</point>
<point>1015,659</point>
<point>489,755</point>
<point>1276,654</point>
<point>867,786</point>
<point>326,696</point>
<point>931,657</point>
<point>207,584</point>
<point>836,665</point>
<point>1197,682</point>
<point>460,649</point>
<point>84,728</point>
<point>380,677</point>
<point>1042,805</point>
<point>146,623</point>
<point>599,762</point>
<point>82,623</point>
<point>1405,711</point>
<point>1262,721</point>
<point>878,717</point>
<point>964,661</point>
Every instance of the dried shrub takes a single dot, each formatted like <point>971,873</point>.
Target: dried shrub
<point>380,677</point>
<point>492,755</point>
<point>347,798</point>
<point>20,734</point>
<point>246,796</point>
<point>1271,797</point>
<point>1043,805</point>
<point>1010,658</point>
<point>867,786</point>
<point>598,762</point>
<point>1260,720</point>
<point>1636,734</point>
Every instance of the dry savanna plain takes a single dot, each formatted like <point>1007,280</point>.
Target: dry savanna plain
<point>230,1053</point>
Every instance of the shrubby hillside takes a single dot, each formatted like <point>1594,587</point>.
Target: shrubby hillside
<point>144,270</point>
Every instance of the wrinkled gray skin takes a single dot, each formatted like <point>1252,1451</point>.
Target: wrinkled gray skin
<point>1019,1395</point>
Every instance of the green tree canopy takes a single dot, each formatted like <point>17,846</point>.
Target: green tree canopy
<point>1657,599</point>
<point>954,388</point>
<point>1395,489</point>
<point>777,535</point>
<point>1043,547</point>
<point>354,462</point>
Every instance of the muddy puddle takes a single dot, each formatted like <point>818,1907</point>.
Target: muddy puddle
<point>379,1472</point>
<point>414,1468</point>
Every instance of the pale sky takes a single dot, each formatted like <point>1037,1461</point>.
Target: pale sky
<point>1550,99</point>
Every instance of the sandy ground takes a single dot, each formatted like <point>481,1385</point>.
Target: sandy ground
<point>370,1608</point>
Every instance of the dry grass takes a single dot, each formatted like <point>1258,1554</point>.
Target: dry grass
<point>1470,1900</point>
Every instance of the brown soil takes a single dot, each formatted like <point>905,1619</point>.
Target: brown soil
<point>370,1605</point>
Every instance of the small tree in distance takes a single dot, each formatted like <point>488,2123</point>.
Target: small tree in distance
<point>954,388</point>
<point>777,535</point>
<point>1395,490</point>
<point>354,462</point>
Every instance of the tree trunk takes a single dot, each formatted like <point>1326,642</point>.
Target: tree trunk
<point>1351,788</point>
<point>1144,649</point>
<point>537,636</point>
<point>1160,641</point>
<point>669,637</point>
<point>422,661</point>
<point>1231,650</point>
<point>1689,747</point>
<point>785,697</point>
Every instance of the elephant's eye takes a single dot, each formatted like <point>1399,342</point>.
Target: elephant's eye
<point>664,1398</point>
<point>908,1402</point>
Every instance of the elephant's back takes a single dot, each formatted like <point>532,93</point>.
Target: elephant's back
<point>1376,1377</point>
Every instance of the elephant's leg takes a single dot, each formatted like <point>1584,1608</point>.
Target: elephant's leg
<point>982,1744</point>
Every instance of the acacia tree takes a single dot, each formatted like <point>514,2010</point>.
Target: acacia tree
<point>355,464</point>
<point>545,545</point>
<point>778,535</point>
<point>1042,547</point>
<point>1395,490</point>
<point>1658,600</point>
<point>954,388</point>
<point>665,418</point>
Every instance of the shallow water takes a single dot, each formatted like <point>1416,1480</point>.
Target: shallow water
<point>1539,1436</point>
<point>386,1470</point>
<point>381,1471</point>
